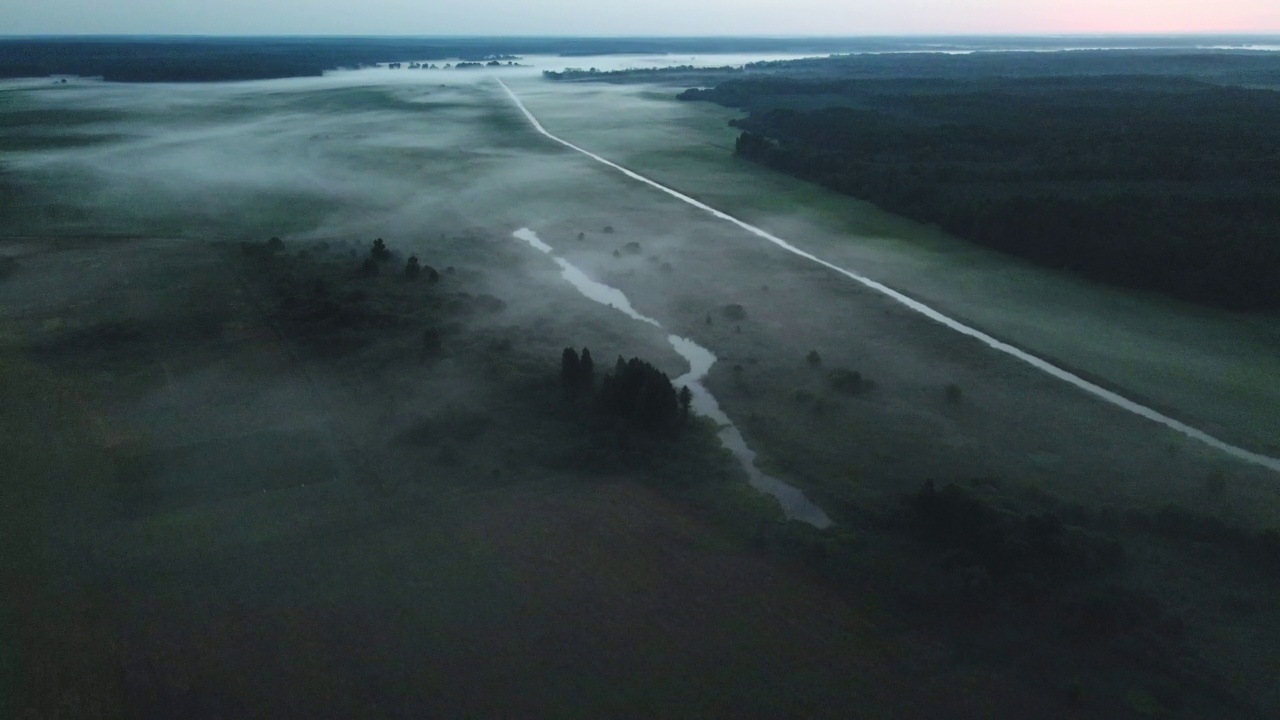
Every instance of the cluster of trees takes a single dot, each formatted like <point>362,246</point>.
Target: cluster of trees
<point>330,304</point>
<point>1161,184</point>
<point>634,391</point>
<point>577,373</point>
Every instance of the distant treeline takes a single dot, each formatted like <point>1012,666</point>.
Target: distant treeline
<point>220,59</point>
<point>1158,183</point>
<point>202,59</point>
<point>1245,68</point>
<point>207,59</point>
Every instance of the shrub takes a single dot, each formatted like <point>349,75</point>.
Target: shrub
<point>379,251</point>
<point>734,312</point>
<point>412,269</point>
<point>954,393</point>
<point>814,359</point>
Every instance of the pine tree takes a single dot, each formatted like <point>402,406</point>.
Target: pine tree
<point>570,370</point>
<point>586,372</point>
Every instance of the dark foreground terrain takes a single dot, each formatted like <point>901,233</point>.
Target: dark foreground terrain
<point>244,482</point>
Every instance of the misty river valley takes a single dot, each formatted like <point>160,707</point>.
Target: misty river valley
<point>259,468</point>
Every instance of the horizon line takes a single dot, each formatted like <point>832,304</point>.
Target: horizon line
<point>1275,33</point>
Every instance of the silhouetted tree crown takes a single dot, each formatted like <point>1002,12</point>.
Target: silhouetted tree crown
<point>570,367</point>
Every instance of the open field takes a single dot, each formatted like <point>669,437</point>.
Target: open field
<point>214,489</point>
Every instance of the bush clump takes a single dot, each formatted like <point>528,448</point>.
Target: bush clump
<point>1037,549</point>
<point>846,381</point>
<point>1177,523</point>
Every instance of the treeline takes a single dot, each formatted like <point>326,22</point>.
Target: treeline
<point>1164,184</point>
<point>1159,60</point>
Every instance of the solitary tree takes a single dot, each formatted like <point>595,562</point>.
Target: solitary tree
<point>412,269</point>
<point>379,251</point>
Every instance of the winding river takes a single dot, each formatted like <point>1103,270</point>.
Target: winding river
<point>794,503</point>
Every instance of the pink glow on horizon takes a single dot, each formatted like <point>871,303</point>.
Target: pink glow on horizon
<point>652,17</point>
<point>1118,17</point>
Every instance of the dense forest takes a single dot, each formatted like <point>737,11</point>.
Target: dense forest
<point>1160,183</point>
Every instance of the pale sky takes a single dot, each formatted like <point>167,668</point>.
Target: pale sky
<point>650,17</point>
